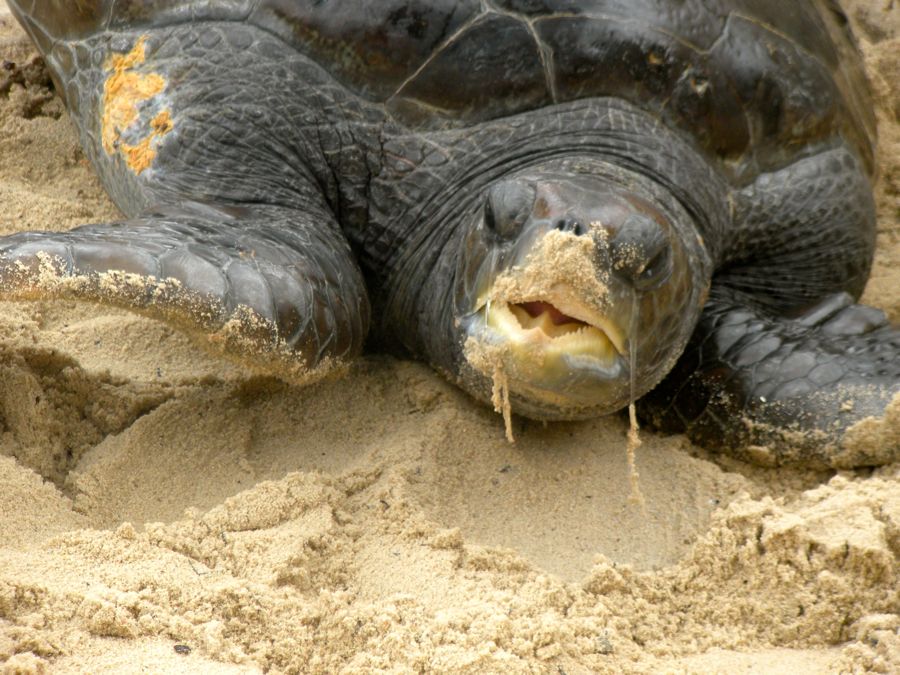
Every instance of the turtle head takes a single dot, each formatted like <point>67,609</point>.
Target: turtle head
<point>577,289</point>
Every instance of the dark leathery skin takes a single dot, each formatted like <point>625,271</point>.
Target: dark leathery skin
<point>325,153</point>
<point>802,260</point>
<point>748,79</point>
<point>749,378</point>
<point>221,264</point>
<point>265,239</point>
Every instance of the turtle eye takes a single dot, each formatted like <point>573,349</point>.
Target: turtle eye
<point>641,253</point>
<point>655,271</point>
<point>507,207</point>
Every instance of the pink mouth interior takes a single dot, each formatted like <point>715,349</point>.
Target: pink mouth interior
<point>537,307</point>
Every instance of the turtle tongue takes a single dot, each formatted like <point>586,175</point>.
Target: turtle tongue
<point>537,307</point>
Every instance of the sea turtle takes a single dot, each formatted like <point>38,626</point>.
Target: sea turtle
<point>554,202</point>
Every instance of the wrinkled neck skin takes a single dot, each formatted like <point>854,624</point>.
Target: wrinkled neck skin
<point>434,306</point>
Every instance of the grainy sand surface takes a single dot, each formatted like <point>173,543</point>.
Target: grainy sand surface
<point>153,496</point>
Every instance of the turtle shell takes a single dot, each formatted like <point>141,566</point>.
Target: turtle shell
<point>756,83</point>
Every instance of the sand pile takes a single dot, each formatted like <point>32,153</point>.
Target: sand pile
<point>161,510</point>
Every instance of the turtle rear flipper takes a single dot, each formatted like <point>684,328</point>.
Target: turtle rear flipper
<point>777,390</point>
<point>270,286</point>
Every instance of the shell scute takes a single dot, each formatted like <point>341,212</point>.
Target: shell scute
<point>754,82</point>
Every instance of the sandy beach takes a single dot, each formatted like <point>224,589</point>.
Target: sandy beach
<point>162,511</point>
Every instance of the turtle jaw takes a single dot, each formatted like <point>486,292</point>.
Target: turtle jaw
<point>560,357</point>
<point>556,332</point>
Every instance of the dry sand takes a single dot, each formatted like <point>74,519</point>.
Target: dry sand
<point>153,497</point>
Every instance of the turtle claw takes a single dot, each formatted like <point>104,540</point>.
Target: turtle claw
<point>837,315</point>
<point>855,320</point>
<point>289,313</point>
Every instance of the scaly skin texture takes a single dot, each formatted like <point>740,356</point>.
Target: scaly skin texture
<point>282,165</point>
<point>784,390</point>
<point>267,240</point>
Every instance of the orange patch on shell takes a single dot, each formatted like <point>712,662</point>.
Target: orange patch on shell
<point>123,92</point>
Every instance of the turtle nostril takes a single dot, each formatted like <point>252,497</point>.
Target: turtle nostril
<point>569,224</point>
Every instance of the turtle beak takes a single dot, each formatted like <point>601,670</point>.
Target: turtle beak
<point>558,326</point>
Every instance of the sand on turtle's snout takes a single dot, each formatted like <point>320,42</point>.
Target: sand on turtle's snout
<point>154,497</point>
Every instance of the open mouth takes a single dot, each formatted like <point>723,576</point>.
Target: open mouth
<point>558,328</point>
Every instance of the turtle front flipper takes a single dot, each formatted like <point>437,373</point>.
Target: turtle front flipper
<point>776,390</point>
<point>267,285</point>
<point>227,150</point>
